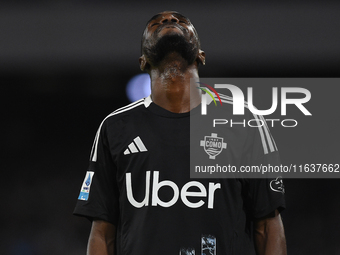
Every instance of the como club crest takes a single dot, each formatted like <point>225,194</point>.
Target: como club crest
<point>213,145</point>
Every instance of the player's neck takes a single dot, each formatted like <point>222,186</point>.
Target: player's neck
<point>171,86</point>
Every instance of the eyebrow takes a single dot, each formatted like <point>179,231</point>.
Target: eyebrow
<point>178,15</point>
<point>154,17</point>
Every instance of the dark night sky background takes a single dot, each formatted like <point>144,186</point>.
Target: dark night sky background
<point>64,66</point>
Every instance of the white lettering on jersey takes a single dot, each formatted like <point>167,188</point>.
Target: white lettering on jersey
<point>212,188</point>
<point>157,185</point>
<point>145,202</point>
<point>185,194</point>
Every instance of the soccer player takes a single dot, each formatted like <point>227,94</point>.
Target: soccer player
<point>137,191</point>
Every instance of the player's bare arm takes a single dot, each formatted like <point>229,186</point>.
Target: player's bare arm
<point>102,238</point>
<point>269,235</point>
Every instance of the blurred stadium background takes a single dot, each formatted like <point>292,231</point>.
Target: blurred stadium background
<point>64,66</point>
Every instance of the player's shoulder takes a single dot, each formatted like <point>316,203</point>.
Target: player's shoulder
<point>128,110</point>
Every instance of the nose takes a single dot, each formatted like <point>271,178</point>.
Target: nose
<point>169,18</point>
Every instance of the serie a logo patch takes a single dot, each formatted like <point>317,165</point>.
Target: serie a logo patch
<point>85,188</point>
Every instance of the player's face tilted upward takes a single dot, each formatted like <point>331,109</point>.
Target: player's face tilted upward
<point>169,32</point>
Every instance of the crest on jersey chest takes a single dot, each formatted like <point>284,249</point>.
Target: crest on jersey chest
<point>213,145</point>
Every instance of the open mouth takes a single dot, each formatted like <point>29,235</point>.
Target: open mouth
<point>173,28</point>
<point>170,26</point>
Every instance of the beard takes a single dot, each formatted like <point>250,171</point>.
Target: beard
<point>169,43</point>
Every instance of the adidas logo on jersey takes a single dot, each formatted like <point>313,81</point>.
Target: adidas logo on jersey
<point>136,146</point>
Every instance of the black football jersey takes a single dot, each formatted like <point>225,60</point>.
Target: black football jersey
<point>139,180</point>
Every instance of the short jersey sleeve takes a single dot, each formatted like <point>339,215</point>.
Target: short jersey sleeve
<point>265,193</point>
<point>263,196</point>
<point>99,196</point>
